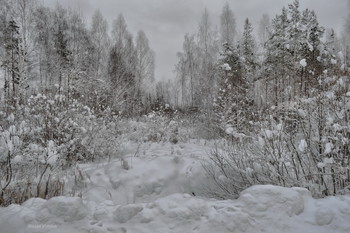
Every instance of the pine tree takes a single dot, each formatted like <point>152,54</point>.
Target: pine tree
<point>248,51</point>
<point>278,61</point>
<point>311,46</point>
<point>233,105</point>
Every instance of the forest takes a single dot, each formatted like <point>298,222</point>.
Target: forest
<point>271,103</point>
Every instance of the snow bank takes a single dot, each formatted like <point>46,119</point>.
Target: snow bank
<point>263,199</point>
<point>124,213</point>
<point>258,209</point>
<point>69,209</point>
<point>161,193</point>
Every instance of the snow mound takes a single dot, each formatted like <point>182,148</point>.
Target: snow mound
<point>148,178</point>
<point>69,209</point>
<point>262,199</point>
<point>161,193</point>
<point>183,212</point>
<point>124,213</point>
<point>324,216</point>
<point>258,209</point>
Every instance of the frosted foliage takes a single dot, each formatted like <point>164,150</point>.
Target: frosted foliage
<point>249,133</point>
<point>303,62</point>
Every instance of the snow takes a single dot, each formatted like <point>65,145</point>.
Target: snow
<point>328,148</point>
<point>68,209</point>
<point>341,56</point>
<point>303,62</point>
<point>229,130</point>
<point>18,159</point>
<point>330,95</point>
<point>124,213</point>
<point>11,118</point>
<point>268,134</point>
<point>163,191</point>
<point>311,48</point>
<point>226,67</point>
<point>328,160</point>
<point>302,145</point>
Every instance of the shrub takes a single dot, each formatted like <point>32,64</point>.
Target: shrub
<point>44,137</point>
<point>306,146</point>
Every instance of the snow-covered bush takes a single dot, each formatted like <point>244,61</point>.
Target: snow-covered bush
<point>60,125</point>
<point>307,145</point>
<point>42,138</point>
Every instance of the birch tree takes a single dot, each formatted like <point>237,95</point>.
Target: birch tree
<point>145,65</point>
<point>100,40</point>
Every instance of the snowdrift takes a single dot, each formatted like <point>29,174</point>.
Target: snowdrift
<point>163,192</point>
<point>258,209</point>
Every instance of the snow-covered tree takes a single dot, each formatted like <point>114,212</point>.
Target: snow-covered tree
<point>208,50</point>
<point>248,50</point>
<point>121,66</point>
<point>233,106</point>
<point>227,25</point>
<point>264,28</point>
<point>189,59</point>
<point>11,61</point>
<point>100,39</point>
<point>145,65</point>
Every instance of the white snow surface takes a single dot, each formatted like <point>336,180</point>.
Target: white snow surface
<point>163,192</point>
<point>303,62</point>
<point>226,67</point>
<point>302,145</point>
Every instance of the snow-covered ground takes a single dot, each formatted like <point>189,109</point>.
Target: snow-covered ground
<point>163,191</point>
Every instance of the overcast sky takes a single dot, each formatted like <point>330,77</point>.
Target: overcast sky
<point>166,21</point>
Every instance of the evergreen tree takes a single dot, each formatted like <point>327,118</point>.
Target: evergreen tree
<point>277,63</point>
<point>233,105</point>
<point>311,51</point>
<point>248,51</point>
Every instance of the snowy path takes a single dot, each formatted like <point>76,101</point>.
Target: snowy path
<point>156,195</point>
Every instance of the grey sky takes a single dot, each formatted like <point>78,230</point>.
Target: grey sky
<point>166,21</point>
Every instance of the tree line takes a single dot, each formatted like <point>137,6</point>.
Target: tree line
<point>53,51</point>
